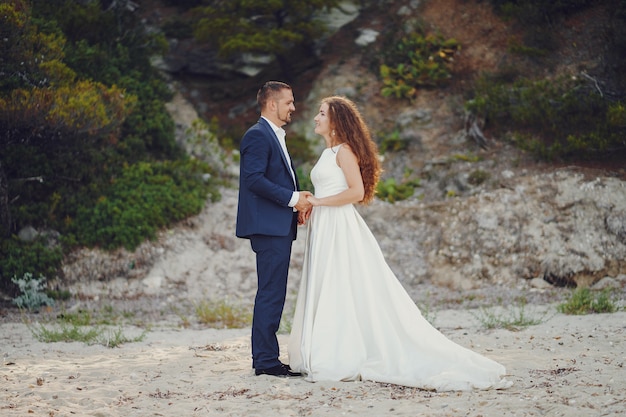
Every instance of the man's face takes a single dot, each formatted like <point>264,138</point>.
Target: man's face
<point>284,106</point>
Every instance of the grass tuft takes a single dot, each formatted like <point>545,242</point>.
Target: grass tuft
<point>584,301</point>
<point>222,314</point>
<point>85,334</point>
<point>513,319</point>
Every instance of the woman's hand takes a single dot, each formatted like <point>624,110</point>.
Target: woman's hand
<point>314,200</point>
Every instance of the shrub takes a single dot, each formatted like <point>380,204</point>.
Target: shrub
<point>478,176</point>
<point>32,292</point>
<point>564,117</point>
<point>391,191</point>
<point>393,142</point>
<point>418,60</point>
<point>21,258</point>
<point>146,197</point>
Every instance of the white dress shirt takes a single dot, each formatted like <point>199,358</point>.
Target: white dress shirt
<point>280,134</point>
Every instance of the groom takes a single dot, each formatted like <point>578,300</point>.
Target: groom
<point>269,211</point>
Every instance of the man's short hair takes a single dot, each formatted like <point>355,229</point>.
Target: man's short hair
<point>269,90</point>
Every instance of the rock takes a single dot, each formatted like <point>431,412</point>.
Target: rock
<point>616,224</point>
<point>366,37</point>
<point>486,220</point>
<point>606,283</point>
<point>507,174</point>
<point>28,234</point>
<point>348,91</point>
<point>539,283</point>
<point>153,284</point>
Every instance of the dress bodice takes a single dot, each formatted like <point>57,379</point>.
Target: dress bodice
<point>326,176</point>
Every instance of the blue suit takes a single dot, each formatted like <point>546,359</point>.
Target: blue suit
<point>263,216</point>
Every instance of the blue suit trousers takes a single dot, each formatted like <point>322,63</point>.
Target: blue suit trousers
<point>272,261</point>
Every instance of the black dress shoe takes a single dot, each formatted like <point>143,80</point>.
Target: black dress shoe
<point>281,371</point>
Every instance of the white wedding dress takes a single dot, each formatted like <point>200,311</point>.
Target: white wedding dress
<point>354,320</point>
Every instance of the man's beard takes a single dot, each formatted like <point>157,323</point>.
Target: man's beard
<point>287,119</point>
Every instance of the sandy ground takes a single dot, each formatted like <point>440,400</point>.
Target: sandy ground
<point>565,366</point>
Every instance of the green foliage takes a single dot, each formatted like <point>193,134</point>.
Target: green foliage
<point>32,294</point>
<point>42,96</point>
<point>417,61</point>
<point>81,108</point>
<point>564,117</point>
<point>276,27</point>
<point>304,179</point>
<point>28,57</point>
<point>145,198</point>
<point>65,333</point>
<point>393,142</point>
<point>478,176</point>
<point>391,191</point>
<point>22,258</point>
<point>300,149</point>
<point>584,301</point>
<point>261,26</point>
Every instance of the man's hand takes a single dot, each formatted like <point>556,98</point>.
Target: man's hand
<point>303,205</point>
<point>302,217</point>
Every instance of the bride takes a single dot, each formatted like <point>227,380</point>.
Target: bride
<point>353,319</point>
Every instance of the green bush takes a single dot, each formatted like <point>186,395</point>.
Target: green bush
<point>20,258</point>
<point>145,198</point>
<point>478,176</point>
<point>391,191</point>
<point>393,142</point>
<point>559,118</point>
<point>416,61</point>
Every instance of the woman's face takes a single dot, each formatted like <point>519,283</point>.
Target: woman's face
<point>322,122</point>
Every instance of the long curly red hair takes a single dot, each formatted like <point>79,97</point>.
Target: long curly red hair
<point>350,128</point>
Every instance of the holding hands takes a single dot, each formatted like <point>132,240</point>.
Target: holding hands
<point>314,200</point>
<point>304,207</point>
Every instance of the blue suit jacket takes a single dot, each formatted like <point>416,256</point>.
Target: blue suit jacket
<point>265,185</point>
